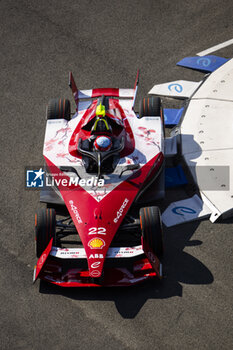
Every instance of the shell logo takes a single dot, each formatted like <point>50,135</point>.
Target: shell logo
<point>96,243</point>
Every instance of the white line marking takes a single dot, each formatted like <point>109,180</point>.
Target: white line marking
<point>215,48</point>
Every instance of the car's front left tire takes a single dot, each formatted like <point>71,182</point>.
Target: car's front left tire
<point>58,108</point>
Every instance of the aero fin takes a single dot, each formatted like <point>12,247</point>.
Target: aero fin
<point>153,259</point>
<point>74,88</point>
<point>41,261</point>
<point>135,88</point>
<point>180,89</point>
<point>206,64</point>
<point>185,210</point>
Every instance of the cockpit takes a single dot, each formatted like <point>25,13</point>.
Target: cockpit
<point>101,151</point>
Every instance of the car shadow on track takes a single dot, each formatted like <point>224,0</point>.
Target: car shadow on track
<point>179,267</point>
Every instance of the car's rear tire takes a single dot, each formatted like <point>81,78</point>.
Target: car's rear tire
<point>150,106</point>
<point>58,108</point>
<point>152,231</point>
<point>45,228</point>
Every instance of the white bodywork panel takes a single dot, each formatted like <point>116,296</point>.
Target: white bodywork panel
<point>185,210</point>
<point>207,125</point>
<point>126,93</point>
<point>147,132</point>
<point>177,89</point>
<point>113,252</point>
<point>219,84</point>
<point>207,138</point>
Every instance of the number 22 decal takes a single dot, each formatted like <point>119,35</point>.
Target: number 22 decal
<point>97,231</point>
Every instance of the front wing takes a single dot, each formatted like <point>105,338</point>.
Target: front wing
<point>124,266</point>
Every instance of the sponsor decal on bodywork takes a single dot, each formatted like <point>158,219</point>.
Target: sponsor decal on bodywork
<point>97,231</point>
<point>96,256</point>
<point>95,264</point>
<point>75,211</point>
<point>95,273</point>
<point>121,210</point>
<point>113,252</point>
<point>96,243</point>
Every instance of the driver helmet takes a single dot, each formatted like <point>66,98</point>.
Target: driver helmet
<point>103,143</point>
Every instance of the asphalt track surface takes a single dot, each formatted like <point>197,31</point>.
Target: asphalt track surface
<point>103,43</point>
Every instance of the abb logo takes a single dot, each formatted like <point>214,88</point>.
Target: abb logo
<point>96,256</point>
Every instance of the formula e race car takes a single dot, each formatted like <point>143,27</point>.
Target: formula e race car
<point>104,170</point>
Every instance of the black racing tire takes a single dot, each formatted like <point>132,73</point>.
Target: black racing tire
<point>45,228</point>
<point>58,108</point>
<point>150,106</point>
<point>152,231</point>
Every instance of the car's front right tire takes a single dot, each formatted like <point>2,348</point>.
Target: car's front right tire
<point>150,106</point>
<point>152,231</point>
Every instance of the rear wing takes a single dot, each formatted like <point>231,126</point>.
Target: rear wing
<point>78,95</point>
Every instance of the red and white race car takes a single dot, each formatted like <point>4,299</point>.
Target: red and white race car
<point>104,169</point>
